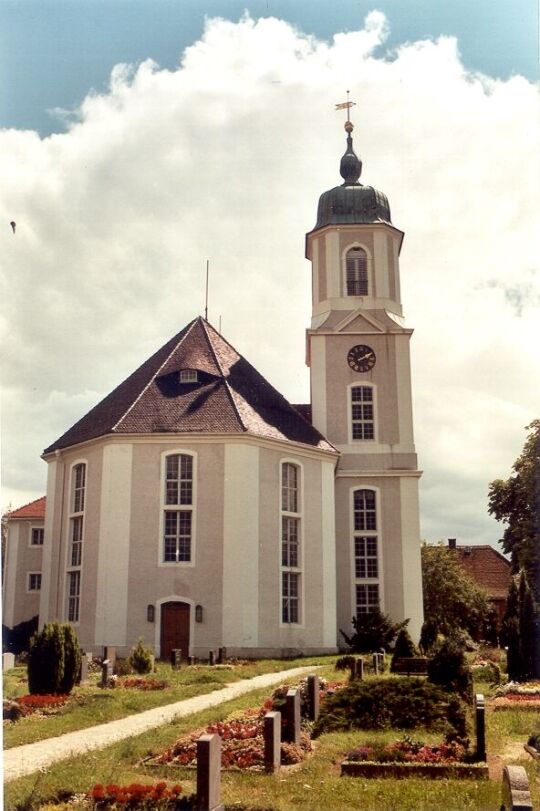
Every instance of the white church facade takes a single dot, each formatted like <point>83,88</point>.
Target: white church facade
<point>196,508</point>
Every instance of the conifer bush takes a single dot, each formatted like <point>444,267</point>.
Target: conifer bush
<point>141,658</point>
<point>54,660</point>
<point>404,647</point>
<point>449,669</point>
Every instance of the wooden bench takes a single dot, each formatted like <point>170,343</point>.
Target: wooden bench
<point>410,666</point>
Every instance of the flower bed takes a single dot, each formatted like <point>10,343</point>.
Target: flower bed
<point>31,703</point>
<point>242,746</point>
<point>139,795</point>
<point>143,684</point>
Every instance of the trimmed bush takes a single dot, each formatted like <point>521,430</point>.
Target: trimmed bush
<point>404,647</point>
<point>449,669</point>
<point>141,658</point>
<point>372,632</point>
<point>54,660</point>
<point>399,702</point>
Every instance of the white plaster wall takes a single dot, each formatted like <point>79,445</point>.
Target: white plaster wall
<point>318,382</point>
<point>114,545</point>
<point>412,566</point>
<point>404,394</point>
<point>241,546</point>
<point>333,265</point>
<point>328,515</point>
<point>382,287</point>
<point>10,579</point>
<point>46,569</point>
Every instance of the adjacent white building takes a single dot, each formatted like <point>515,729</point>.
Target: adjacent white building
<point>196,508</point>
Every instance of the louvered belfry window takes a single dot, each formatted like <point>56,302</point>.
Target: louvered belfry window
<point>356,267</point>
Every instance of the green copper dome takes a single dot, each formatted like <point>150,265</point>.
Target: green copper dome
<point>352,202</point>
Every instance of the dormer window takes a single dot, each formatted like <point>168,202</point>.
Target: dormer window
<point>188,376</point>
<point>356,270</point>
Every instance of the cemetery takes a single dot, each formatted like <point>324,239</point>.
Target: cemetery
<point>357,732</point>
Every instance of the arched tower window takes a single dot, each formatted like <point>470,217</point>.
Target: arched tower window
<point>356,272</point>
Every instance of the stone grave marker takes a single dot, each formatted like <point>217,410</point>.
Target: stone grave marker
<point>222,656</point>
<point>272,741</point>
<point>292,715</point>
<point>376,663</point>
<point>209,773</point>
<point>86,658</point>
<point>313,697</point>
<point>480,712</point>
<point>211,658</point>
<point>516,795</point>
<point>8,661</point>
<point>106,673</point>
<point>176,658</point>
<point>109,652</point>
<point>359,668</point>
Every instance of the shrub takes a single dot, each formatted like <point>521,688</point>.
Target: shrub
<point>401,702</point>
<point>372,632</point>
<point>345,663</point>
<point>449,669</point>
<point>54,660</point>
<point>17,639</point>
<point>403,648</point>
<point>141,658</point>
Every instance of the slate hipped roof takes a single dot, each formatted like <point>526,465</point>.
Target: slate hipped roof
<point>34,510</point>
<point>230,397</point>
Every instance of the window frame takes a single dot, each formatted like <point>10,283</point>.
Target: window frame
<point>29,576</point>
<point>357,441</point>
<point>291,550</point>
<point>178,508</point>
<point>31,543</point>
<point>75,539</point>
<point>369,530</point>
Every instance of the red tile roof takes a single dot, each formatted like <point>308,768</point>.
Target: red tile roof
<point>36,509</point>
<point>487,567</point>
<point>230,397</point>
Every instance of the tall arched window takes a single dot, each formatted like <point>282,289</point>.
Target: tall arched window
<point>178,509</point>
<point>366,554</point>
<point>356,272</point>
<point>291,551</point>
<point>75,545</point>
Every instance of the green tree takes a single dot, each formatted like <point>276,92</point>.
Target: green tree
<point>54,660</point>
<point>510,633</point>
<point>452,600</point>
<point>516,502</point>
<point>403,648</point>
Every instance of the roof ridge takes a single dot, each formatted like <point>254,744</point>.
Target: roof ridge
<point>220,367</point>
<point>156,374</point>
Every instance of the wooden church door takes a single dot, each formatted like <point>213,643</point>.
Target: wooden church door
<point>174,628</point>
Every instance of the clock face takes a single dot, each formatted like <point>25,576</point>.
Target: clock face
<point>361,358</point>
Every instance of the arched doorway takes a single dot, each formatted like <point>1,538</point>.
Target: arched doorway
<point>174,628</point>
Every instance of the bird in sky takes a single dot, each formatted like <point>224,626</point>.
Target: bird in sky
<point>13,225</point>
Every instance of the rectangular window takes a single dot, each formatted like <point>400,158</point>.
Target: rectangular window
<point>179,480</point>
<point>289,488</point>
<point>177,538</point>
<point>36,538</point>
<point>362,413</point>
<point>365,557</point>
<point>76,540</point>
<point>188,376</point>
<point>367,598</point>
<point>34,581</point>
<point>365,510</point>
<point>289,541</point>
<point>290,597</point>
<point>73,596</point>
<point>79,481</point>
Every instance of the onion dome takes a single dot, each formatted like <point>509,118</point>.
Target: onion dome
<point>352,202</point>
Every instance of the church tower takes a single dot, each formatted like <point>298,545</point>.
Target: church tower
<point>358,354</point>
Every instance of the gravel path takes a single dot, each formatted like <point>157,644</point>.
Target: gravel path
<point>30,758</point>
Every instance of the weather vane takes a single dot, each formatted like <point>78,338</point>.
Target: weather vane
<point>346,105</point>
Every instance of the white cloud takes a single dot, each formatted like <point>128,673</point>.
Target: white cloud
<point>224,158</point>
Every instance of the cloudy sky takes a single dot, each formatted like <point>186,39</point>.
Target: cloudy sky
<point>140,138</point>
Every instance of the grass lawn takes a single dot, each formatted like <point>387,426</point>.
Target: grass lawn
<point>312,787</point>
<point>91,705</point>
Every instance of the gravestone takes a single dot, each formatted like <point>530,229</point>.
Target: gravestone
<point>359,669</point>
<point>516,795</point>
<point>313,697</point>
<point>191,660</point>
<point>222,656</point>
<point>272,741</point>
<point>376,663</point>
<point>211,658</point>
<point>106,673</point>
<point>292,716</point>
<point>109,652</point>
<point>8,661</point>
<point>86,658</point>
<point>480,711</point>
<point>176,658</point>
<point>209,773</point>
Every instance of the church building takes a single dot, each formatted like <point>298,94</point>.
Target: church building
<point>196,508</point>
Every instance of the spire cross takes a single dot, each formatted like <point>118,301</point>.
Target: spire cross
<point>346,105</point>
